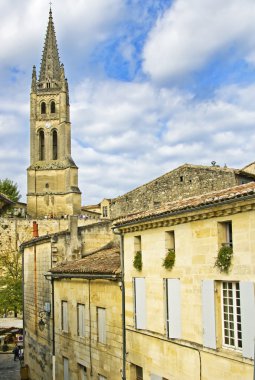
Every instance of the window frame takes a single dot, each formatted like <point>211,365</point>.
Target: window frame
<point>236,316</point>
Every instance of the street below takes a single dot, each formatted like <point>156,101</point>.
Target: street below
<point>9,369</point>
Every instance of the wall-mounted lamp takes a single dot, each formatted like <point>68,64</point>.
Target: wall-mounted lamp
<point>43,315</point>
<point>42,320</point>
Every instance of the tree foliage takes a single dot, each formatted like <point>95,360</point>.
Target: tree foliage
<point>10,282</point>
<point>10,189</point>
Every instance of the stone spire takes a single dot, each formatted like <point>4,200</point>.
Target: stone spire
<point>50,65</point>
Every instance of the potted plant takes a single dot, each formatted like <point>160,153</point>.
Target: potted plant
<point>224,258</point>
<point>169,260</point>
<point>137,263</point>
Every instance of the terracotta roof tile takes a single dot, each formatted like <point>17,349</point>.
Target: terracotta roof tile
<point>104,261</point>
<point>5,198</point>
<point>188,204</point>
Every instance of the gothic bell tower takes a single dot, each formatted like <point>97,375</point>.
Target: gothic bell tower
<point>52,175</point>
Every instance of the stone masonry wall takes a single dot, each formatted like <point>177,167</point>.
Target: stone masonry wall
<point>15,231</point>
<point>183,182</point>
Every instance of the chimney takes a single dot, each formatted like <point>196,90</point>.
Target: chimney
<point>35,229</point>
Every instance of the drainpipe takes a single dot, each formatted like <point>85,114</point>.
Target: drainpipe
<point>53,331</point>
<point>124,344</point>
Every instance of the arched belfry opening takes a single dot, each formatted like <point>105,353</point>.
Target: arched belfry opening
<point>52,107</point>
<point>55,145</point>
<point>41,146</point>
<point>43,108</point>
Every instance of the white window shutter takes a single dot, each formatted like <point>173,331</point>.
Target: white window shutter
<point>66,369</point>
<point>155,377</point>
<point>101,325</point>
<point>174,308</point>
<point>140,303</point>
<point>208,314</point>
<point>81,319</point>
<point>64,316</point>
<point>247,318</point>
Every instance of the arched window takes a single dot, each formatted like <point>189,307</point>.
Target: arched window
<point>52,107</point>
<point>43,107</point>
<point>55,145</point>
<point>41,146</point>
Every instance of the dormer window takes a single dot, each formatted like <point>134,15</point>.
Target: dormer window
<point>43,108</point>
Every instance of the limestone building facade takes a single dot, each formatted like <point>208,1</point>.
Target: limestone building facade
<point>194,320</point>
<point>88,328</point>
<point>41,303</point>
<point>52,177</point>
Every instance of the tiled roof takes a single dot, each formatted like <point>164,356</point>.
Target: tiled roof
<point>104,261</point>
<point>188,204</point>
<point>4,198</point>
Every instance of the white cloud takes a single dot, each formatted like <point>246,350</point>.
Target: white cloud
<point>79,26</point>
<point>192,31</point>
<point>159,130</point>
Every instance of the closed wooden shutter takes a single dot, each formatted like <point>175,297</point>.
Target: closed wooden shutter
<point>247,318</point>
<point>173,287</point>
<point>155,377</point>
<point>81,317</point>
<point>66,369</point>
<point>140,303</point>
<point>64,316</point>
<point>101,322</point>
<point>208,314</point>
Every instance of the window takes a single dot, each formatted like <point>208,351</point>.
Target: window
<point>82,372</point>
<point>225,233</point>
<point>41,146</point>
<point>140,303</point>
<point>66,368</point>
<point>101,325</point>
<point>139,373</point>
<point>173,308</point>
<point>105,211</point>
<point>64,316</point>
<point>231,315</point>
<point>229,307</point>
<point>43,108</point>
<point>55,145</point>
<point>137,243</point>
<point>80,320</point>
<point>169,240</point>
<point>52,107</point>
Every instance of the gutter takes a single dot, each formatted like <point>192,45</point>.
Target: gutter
<point>123,303</point>
<point>57,276</point>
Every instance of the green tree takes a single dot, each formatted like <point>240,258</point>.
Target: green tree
<point>10,282</point>
<point>10,189</point>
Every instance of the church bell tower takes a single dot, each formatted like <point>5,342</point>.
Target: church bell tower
<point>52,175</point>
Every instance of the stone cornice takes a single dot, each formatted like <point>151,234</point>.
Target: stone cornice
<point>185,216</point>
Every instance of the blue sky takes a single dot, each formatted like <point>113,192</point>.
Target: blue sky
<point>153,84</point>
